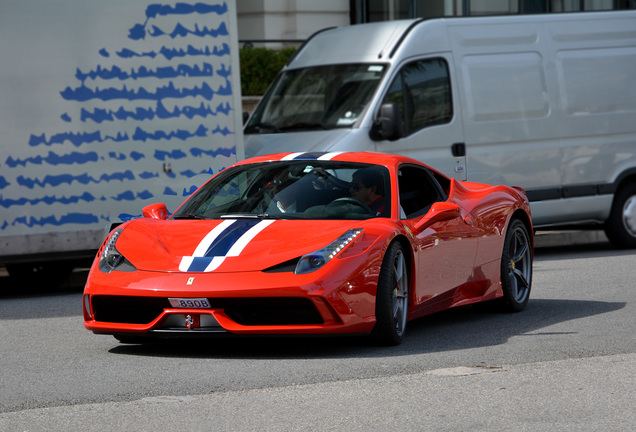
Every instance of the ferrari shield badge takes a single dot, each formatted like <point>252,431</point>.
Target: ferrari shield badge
<point>192,321</point>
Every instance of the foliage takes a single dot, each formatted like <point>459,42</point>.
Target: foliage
<point>259,67</point>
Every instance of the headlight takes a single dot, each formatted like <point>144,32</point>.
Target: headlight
<point>111,259</point>
<point>313,261</point>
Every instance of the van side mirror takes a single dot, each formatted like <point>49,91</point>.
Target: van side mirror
<point>246,117</point>
<point>155,211</point>
<point>388,125</point>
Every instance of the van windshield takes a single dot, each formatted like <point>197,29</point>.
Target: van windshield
<point>322,97</point>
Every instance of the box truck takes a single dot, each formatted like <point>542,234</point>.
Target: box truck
<point>107,107</point>
<point>545,102</point>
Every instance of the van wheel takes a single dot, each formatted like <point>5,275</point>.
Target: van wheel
<point>620,228</point>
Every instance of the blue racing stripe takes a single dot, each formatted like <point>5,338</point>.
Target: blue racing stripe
<point>227,239</point>
<point>199,264</point>
<point>224,242</point>
<point>310,155</point>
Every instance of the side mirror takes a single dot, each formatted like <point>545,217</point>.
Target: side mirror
<point>246,117</point>
<point>388,125</point>
<point>439,212</point>
<point>155,211</point>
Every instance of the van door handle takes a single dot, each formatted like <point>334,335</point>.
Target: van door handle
<point>458,149</point>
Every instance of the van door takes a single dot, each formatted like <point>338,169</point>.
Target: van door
<point>431,124</point>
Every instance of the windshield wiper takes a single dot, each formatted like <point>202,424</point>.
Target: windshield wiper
<point>264,125</point>
<point>304,125</point>
<point>261,216</point>
<point>240,216</point>
<point>287,216</point>
<point>188,216</point>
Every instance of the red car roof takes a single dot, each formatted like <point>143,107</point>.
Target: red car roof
<point>364,157</point>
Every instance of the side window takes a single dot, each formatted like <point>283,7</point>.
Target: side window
<point>444,182</point>
<point>418,191</point>
<point>422,93</point>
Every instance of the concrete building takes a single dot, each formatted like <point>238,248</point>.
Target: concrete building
<point>276,23</point>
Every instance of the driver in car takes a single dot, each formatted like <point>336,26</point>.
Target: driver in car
<point>367,186</point>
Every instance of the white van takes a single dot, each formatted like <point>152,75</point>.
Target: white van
<point>546,102</point>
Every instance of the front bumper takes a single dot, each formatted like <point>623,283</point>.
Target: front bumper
<point>240,303</point>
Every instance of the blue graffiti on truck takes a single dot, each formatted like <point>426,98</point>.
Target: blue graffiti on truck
<point>160,97</point>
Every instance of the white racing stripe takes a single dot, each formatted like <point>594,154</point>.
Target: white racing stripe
<point>240,244</point>
<point>329,156</point>
<point>311,156</point>
<point>211,236</point>
<point>291,156</point>
<point>214,264</point>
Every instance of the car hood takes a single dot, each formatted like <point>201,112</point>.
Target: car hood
<point>228,245</point>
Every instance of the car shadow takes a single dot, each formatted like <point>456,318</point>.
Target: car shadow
<point>456,329</point>
<point>472,327</point>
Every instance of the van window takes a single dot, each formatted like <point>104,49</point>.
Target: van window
<point>315,98</point>
<point>421,90</point>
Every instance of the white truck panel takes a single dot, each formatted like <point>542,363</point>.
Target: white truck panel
<point>107,107</point>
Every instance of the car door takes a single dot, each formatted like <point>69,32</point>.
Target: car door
<point>445,244</point>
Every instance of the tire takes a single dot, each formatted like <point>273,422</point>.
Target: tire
<point>392,297</point>
<point>516,268</point>
<point>620,228</point>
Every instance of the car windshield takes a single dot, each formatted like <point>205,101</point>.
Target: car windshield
<point>315,98</point>
<point>293,190</point>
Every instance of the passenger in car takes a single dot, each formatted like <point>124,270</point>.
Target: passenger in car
<point>367,186</point>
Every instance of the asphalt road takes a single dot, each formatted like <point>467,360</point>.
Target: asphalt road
<point>565,363</point>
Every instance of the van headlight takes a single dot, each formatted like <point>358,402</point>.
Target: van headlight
<point>313,261</point>
<point>111,259</point>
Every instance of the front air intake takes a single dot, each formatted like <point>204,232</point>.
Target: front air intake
<point>270,311</point>
<point>127,309</point>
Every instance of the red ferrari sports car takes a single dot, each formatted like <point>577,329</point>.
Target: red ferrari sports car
<point>312,243</point>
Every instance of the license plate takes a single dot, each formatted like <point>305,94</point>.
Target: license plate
<point>193,303</point>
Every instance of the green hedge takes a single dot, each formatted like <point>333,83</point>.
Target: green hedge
<point>259,67</point>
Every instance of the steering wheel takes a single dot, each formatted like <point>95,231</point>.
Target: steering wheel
<point>327,181</point>
<point>353,201</point>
